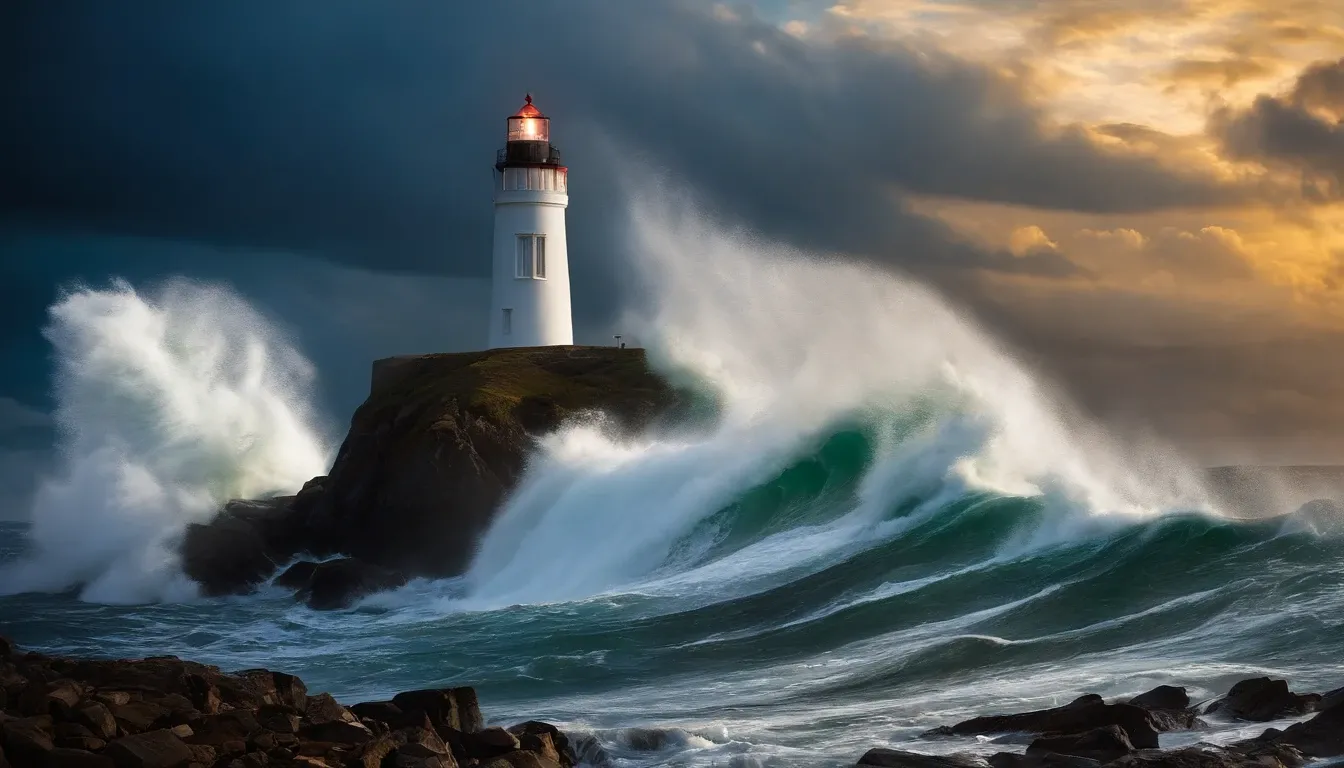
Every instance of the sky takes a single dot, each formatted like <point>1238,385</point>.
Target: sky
<point>1143,198</point>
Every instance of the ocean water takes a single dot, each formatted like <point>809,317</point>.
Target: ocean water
<point>890,525</point>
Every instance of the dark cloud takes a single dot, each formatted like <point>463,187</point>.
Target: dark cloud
<point>365,131</point>
<point>1302,130</point>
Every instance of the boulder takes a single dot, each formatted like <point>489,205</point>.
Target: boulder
<point>243,545</point>
<point>27,740</point>
<point>1260,699</point>
<point>1210,757</point>
<point>1102,744</point>
<point>1082,715</point>
<point>296,576</point>
<point>95,716</point>
<point>155,749</point>
<point>519,759</point>
<point>881,757</point>
<point>1321,736</point>
<point>1163,697</point>
<point>138,716</point>
<point>337,584</point>
<point>1040,760</point>
<point>63,757</point>
<point>454,708</point>
<point>489,743</point>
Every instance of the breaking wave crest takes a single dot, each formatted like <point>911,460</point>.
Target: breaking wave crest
<point>167,405</point>
<point>799,347</point>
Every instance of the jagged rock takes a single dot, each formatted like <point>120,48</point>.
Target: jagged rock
<point>296,576</point>
<point>337,584</point>
<point>1210,757</point>
<point>1040,760</point>
<point>1321,736</point>
<point>155,749</point>
<point>220,730</point>
<point>1102,744</point>
<point>278,718</point>
<point>65,757</point>
<point>894,758</point>
<point>28,740</point>
<point>95,716</point>
<point>1083,714</point>
<point>322,708</point>
<point>138,716</point>
<point>489,743</point>
<point>455,708</point>
<point>54,698</point>
<point>1260,699</point>
<point>338,732</point>
<point>386,712</point>
<point>1163,697</point>
<point>534,736</point>
<point>242,546</point>
<point>519,759</point>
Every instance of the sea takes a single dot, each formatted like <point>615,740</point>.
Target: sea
<point>887,524</point>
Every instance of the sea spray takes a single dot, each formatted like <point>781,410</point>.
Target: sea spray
<point>794,344</point>
<point>168,405</point>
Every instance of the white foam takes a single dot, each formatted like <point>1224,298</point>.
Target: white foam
<point>168,405</point>
<point>794,343</point>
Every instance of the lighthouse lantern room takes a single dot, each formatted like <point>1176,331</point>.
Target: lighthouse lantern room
<point>530,304</point>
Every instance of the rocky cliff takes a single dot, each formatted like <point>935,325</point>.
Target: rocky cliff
<point>429,457</point>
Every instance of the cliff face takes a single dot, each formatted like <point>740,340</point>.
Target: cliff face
<point>428,459</point>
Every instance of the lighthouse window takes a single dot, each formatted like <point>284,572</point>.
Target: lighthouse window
<point>530,259</point>
<point>508,322</point>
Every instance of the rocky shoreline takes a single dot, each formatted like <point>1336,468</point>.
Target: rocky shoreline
<point>164,712</point>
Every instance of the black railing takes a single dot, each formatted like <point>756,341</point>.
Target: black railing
<point>528,153</point>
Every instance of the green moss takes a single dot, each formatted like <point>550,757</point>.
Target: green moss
<point>534,386</point>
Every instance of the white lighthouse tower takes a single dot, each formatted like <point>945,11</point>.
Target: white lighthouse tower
<point>529,298</point>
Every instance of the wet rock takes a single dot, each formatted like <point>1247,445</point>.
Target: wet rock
<point>1040,760</point>
<point>278,718</point>
<point>532,732</point>
<point>322,708</point>
<point>1321,736</point>
<point>1163,697</point>
<point>221,730</point>
<point>1260,699</point>
<point>895,758</point>
<point>338,584</point>
<point>385,712</point>
<point>242,546</point>
<point>337,731</point>
<point>296,576</point>
<point>1102,744</point>
<point>489,743</point>
<point>154,749</point>
<point>455,708</point>
<point>1082,715</point>
<point>519,759</point>
<point>1209,757</point>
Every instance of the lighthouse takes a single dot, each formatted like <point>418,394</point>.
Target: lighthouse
<point>529,296</point>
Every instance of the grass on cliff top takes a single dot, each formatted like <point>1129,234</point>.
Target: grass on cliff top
<point>493,383</point>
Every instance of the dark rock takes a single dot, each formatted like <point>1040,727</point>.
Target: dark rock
<point>1321,736</point>
<point>1260,699</point>
<point>455,708</point>
<point>1209,757</point>
<point>420,742</point>
<point>296,576</point>
<point>7,648</point>
<point>225,727</point>
<point>1077,717</point>
<point>489,742</point>
<point>384,712</point>
<point>1040,760</point>
<point>203,693</point>
<point>95,716</point>
<point>155,749</point>
<point>86,743</point>
<point>202,754</point>
<point>442,438</point>
<point>337,584</point>
<point>1102,744</point>
<point>895,758</point>
<point>138,716</point>
<point>1163,697</point>
<point>277,718</point>
<point>322,708</point>
<point>28,740</point>
<point>64,757</point>
<point>337,731</point>
<point>531,733</point>
<point>242,546</point>
<point>519,759</point>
